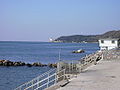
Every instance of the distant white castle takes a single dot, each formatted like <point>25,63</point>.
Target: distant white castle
<point>51,40</point>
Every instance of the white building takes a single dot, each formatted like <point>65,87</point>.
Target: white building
<point>51,40</point>
<point>109,43</point>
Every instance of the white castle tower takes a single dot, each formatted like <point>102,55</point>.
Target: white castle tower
<point>51,40</point>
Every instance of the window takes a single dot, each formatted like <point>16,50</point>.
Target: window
<point>113,41</point>
<point>102,41</point>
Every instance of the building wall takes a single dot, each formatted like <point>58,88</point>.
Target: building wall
<point>119,43</point>
<point>108,44</point>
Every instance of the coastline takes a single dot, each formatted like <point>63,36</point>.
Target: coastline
<point>33,49</point>
<point>70,42</point>
<point>103,76</point>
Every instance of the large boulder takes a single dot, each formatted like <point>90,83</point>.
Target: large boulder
<point>7,63</point>
<point>52,65</point>
<point>29,65</point>
<point>1,62</point>
<point>19,64</point>
<point>39,64</point>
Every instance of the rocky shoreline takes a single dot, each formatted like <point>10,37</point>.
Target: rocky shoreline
<point>97,55</point>
<point>12,63</point>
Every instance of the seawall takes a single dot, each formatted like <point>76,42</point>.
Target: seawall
<point>103,76</point>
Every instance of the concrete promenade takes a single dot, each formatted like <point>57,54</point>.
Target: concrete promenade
<point>103,76</point>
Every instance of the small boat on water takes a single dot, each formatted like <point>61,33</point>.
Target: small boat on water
<point>79,51</point>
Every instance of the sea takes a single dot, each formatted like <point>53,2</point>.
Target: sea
<point>29,52</point>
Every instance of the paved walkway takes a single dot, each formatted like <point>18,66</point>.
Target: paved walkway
<point>103,76</point>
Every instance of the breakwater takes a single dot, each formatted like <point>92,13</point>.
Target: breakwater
<point>11,63</point>
<point>113,54</point>
<point>64,72</point>
<point>43,52</point>
<point>104,76</point>
<point>77,66</point>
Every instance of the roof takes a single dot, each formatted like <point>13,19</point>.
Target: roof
<point>109,39</point>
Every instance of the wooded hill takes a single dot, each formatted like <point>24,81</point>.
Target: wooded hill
<point>88,38</point>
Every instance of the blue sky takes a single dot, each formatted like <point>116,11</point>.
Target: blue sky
<point>37,20</point>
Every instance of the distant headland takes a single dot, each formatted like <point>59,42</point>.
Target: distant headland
<point>88,38</point>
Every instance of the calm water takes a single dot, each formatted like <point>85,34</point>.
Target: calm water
<point>30,52</point>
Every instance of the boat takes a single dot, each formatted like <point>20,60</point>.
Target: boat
<point>78,51</point>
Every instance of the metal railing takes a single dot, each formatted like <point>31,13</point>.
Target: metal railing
<point>77,66</point>
<point>44,81</point>
<point>64,68</point>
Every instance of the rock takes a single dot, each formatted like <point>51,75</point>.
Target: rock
<point>52,65</point>
<point>18,64</point>
<point>7,63</point>
<point>1,62</point>
<point>11,63</point>
<point>99,58</point>
<point>79,51</point>
<point>29,65</point>
<point>37,64</point>
<point>21,63</point>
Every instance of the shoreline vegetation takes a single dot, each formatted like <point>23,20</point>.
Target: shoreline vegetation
<point>87,38</point>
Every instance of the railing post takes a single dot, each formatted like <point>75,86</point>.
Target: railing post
<point>64,74</point>
<point>69,67</point>
<point>72,67</point>
<point>37,82</point>
<point>32,84</point>
<point>55,77</point>
<point>95,62</point>
<point>48,80</point>
<point>20,88</point>
<point>25,86</point>
<point>102,56</point>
